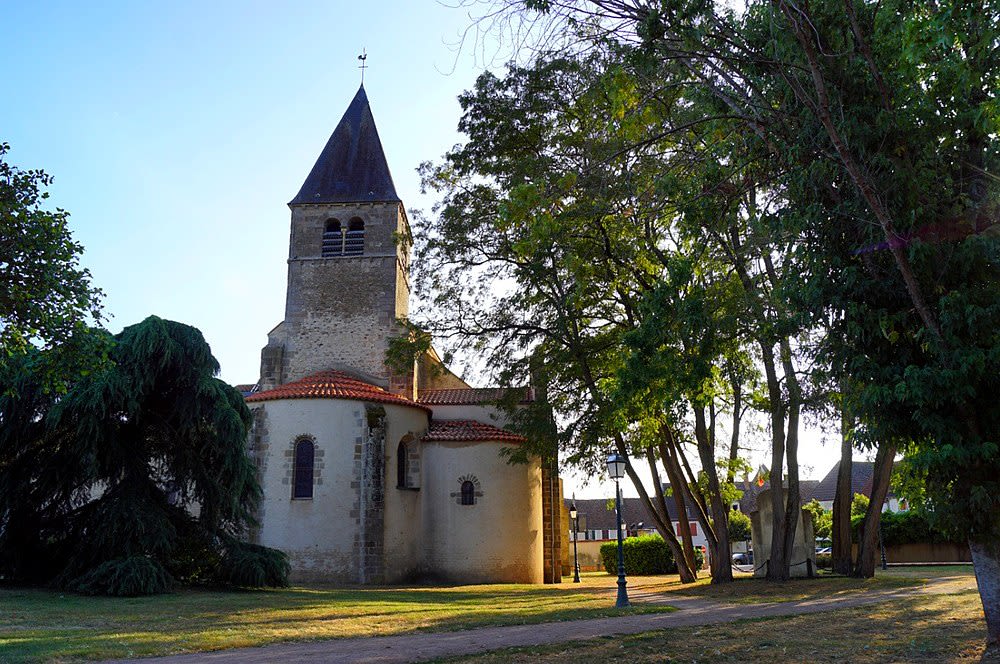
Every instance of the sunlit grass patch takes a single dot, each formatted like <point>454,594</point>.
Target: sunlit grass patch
<point>937,628</point>
<point>44,625</point>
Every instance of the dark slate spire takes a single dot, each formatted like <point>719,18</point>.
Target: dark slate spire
<point>352,167</point>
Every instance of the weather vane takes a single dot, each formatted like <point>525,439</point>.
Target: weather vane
<point>363,66</point>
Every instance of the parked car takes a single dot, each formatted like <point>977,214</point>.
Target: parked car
<point>820,550</point>
<point>743,558</point>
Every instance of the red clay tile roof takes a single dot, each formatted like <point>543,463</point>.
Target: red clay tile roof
<point>468,431</point>
<point>472,396</point>
<point>332,385</point>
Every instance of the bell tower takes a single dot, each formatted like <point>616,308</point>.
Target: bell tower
<point>348,261</point>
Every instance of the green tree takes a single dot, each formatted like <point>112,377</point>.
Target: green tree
<point>822,520</point>
<point>46,297</point>
<point>136,475</point>
<point>553,239</point>
<point>739,526</point>
<point>883,119</point>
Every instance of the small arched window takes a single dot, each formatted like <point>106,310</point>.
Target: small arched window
<point>333,239</point>
<point>402,464</point>
<point>468,493</point>
<point>305,453</point>
<point>354,244</point>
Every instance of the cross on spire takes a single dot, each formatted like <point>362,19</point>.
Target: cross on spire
<point>363,66</point>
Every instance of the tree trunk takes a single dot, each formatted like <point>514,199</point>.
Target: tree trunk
<point>793,502</point>
<point>678,487</point>
<point>663,526</point>
<point>842,560</point>
<point>734,442</point>
<point>721,551</point>
<point>868,543</point>
<point>679,503</point>
<point>777,568</point>
<point>986,563</point>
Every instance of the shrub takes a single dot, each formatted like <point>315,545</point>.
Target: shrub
<point>824,560</point>
<point>644,555</point>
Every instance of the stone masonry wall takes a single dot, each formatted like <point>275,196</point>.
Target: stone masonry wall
<point>370,543</point>
<point>341,311</point>
<point>552,533</point>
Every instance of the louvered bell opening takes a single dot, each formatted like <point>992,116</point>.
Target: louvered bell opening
<point>354,243</point>
<point>333,244</point>
<point>333,239</point>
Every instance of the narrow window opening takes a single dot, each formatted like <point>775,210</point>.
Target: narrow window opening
<point>354,244</point>
<point>305,452</point>
<point>402,465</point>
<point>468,493</point>
<point>333,239</point>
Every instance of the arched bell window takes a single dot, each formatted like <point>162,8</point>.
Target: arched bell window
<point>305,454</point>
<point>333,239</point>
<point>354,242</point>
<point>468,493</point>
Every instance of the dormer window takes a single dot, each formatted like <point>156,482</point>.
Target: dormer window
<point>354,242</point>
<point>333,239</point>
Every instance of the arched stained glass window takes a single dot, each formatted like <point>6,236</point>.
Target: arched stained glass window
<point>305,453</point>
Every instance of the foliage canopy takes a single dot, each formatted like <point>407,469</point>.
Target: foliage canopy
<point>137,475</point>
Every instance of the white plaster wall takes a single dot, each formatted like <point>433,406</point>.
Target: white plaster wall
<point>499,539</point>
<point>403,516</point>
<point>318,533</point>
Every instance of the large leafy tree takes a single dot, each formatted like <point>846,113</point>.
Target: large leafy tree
<point>884,119</point>
<point>46,298</point>
<point>136,475</point>
<point>554,237</point>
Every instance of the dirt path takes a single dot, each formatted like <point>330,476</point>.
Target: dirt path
<point>423,646</point>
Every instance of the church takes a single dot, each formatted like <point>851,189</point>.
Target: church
<point>371,476</point>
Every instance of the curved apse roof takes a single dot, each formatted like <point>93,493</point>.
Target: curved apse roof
<point>333,385</point>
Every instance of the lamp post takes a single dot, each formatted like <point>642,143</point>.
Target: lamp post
<point>575,518</point>
<point>616,469</point>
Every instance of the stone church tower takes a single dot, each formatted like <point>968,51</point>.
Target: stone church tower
<point>348,262</point>
<point>369,477</point>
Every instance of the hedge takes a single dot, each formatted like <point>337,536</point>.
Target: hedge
<point>644,555</point>
<point>910,527</point>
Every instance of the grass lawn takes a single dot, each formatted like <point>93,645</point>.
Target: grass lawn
<point>937,628</point>
<point>40,625</point>
<point>747,590</point>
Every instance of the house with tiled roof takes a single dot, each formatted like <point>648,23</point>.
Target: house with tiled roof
<point>370,473</point>
<point>597,519</point>
<point>862,473</point>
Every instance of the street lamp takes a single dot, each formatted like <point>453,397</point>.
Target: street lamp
<point>575,517</point>
<point>616,469</point>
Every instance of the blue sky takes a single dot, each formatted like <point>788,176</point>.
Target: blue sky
<point>177,133</point>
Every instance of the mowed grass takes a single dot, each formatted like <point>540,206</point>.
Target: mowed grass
<point>748,590</point>
<point>934,628</point>
<point>41,625</point>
